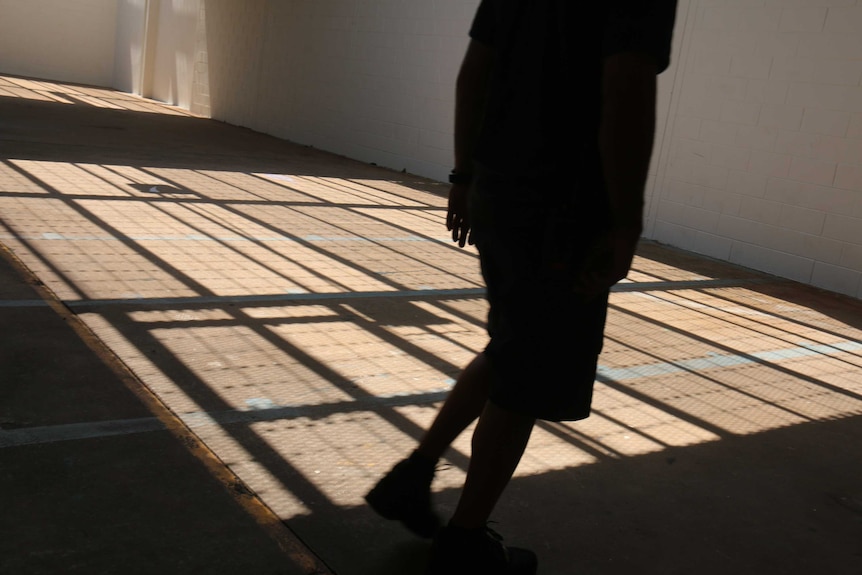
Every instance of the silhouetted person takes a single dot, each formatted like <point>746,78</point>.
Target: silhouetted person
<point>554,125</point>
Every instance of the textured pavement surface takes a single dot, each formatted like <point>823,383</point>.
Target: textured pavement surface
<point>215,342</point>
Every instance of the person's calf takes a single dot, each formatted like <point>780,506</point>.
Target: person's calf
<point>499,441</point>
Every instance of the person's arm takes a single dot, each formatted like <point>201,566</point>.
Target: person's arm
<point>626,134</point>
<point>636,46</point>
<point>625,144</point>
<point>470,95</point>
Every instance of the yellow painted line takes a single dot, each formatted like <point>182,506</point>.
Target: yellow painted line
<point>287,541</point>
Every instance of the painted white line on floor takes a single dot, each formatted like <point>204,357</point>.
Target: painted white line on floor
<point>425,291</point>
<point>88,430</point>
<point>77,431</point>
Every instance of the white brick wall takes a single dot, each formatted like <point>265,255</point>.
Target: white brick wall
<point>128,59</point>
<point>59,39</point>
<point>759,142</point>
<point>373,80</point>
<point>766,122</point>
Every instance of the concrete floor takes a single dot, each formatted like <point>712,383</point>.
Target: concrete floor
<point>215,342</point>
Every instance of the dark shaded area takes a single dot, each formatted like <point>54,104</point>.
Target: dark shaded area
<point>89,134</point>
<point>774,502</point>
<point>782,501</point>
<point>133,504</point>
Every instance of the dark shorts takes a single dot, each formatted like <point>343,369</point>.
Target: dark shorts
<point>545,339</point>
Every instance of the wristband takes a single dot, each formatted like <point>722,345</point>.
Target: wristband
<point>460,178</point>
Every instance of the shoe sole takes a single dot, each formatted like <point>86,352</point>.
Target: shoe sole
<point>387,512</point>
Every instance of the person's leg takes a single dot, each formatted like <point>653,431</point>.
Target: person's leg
<point>499,441</point>
<point>466,546</point>
<point>462,406</point>
<point>405,492</point>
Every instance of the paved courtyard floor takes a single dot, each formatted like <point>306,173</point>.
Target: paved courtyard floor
<point>215,342</point>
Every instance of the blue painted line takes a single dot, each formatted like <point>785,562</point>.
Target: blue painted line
<point>720,361</point>
<point>263,409</point>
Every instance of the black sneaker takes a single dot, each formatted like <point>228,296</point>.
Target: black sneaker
<point>405,494</point>
<point>477,552</point>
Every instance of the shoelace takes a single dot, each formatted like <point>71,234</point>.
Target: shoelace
<point>497,540</point>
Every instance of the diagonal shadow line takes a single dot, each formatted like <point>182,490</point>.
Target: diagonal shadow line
<point>632,430</point>
<point>660,405</point>
<point>752,358</point>
<point>252,442</point>
<point>753,319</point>
<point>773,281</point>
<point>578,440</point>
<point>720,383</point>
<point>426,209</point>
<point>411,349</point>
<point>374,195</point>
<point>418,186</point>
<point>312,199</point>
<point>255,445</point>
<point>449,245</point>
<point>334,304</point>
<point>278,342</point>
<point>463,316</point>
<point>446,245</point>
<point>262,245</point>
<point>424,185</point>
<point>451,341</point>
<point>102,198</point>
<point>386,247</point>
<point>224,182</point>
<point>227,205</point>
<point>198,389</point>
<point>320,201</point>
<point>310,245</point>
<point>342,260</point>
<point>313,411</point>
<point>45,262</point>
<point>127,195</point>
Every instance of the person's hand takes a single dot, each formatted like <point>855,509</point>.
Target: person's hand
<point>608,262</point>
<point>458,215</point>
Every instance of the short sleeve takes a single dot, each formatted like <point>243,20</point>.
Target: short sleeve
<point>484,23</point>
<point>640,26</point>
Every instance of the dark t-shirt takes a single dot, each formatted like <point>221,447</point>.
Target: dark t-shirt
<point>544,103</point>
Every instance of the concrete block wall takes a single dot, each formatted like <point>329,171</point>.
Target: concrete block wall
<point>128,75</point>
<point>370,79</point>
<point>175,33</point>
<point>762,162</point>
<point>759,143</point>
<point>59,39</point>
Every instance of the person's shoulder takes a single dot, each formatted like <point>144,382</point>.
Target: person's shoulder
<point>644,26</point>
<point>484,23</point>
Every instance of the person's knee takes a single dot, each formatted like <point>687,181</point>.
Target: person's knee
<point>506,416</point>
